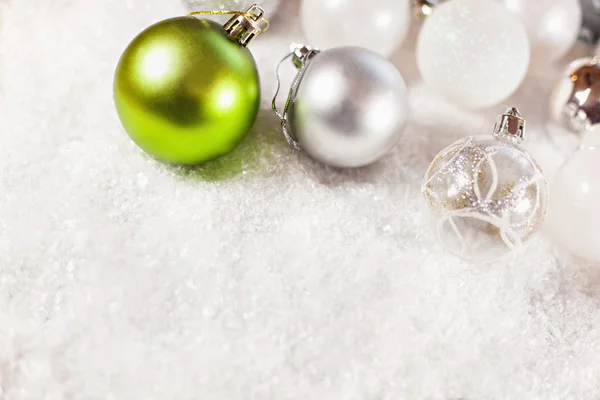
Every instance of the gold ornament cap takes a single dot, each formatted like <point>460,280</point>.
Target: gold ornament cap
<point>245,27</point>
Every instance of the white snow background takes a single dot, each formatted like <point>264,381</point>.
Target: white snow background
<point>263,275</point>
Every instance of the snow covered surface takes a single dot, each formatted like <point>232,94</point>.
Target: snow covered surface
<point>263,275</point>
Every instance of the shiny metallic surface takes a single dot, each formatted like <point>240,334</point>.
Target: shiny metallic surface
<point>590,30</point>
<point>302,54</point>
<point>510,127</point>
<point>244,28</point>
<point>185,92</point>
<point>489,196</point>
<point>575,99</point>
<point>350,108</point>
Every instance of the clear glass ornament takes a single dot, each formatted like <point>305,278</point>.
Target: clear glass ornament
<point>490,195</point>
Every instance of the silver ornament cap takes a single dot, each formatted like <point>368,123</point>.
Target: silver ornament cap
<point>510,127</point>
<point>302,54</point>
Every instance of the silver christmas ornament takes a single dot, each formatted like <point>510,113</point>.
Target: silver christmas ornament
<point>489,194</point>
<point>590,29</point>
<point>575,105</point>
<point>347,107</point>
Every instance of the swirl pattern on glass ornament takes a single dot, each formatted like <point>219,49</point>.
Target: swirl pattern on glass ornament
<point>490,195</point>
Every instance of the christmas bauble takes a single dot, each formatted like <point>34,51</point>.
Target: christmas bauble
<point>575,105</point>
<point>574,216</point>
<point>185,91</point>
<point>350,109</point>
<point>489,194</point>
<point>590,30</point>
<point>473,52</point>
<point>378,25</point>
<point>552,25</point>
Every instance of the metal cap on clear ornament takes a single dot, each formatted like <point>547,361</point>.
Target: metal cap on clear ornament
<point>510,127</point>
<point>574,109</point>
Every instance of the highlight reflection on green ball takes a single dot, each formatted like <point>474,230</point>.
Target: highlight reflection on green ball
<point>186,92</point>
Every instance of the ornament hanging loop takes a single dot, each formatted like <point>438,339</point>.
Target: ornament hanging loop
<point>244,25</point>
<point>301,56</point>
<point>510,127</point>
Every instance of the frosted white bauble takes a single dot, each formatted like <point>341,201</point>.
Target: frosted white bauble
<point>378,25</point>
<point>574,217</point>
<point>473,52</point>
<point>270,6</point>
<point>552,25</point>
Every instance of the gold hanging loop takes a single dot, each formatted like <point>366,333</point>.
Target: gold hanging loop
<point>244,25</point>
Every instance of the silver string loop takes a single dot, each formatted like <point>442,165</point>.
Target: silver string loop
<point>301,56</point>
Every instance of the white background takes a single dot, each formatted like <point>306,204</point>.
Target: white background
<point>263,275</point>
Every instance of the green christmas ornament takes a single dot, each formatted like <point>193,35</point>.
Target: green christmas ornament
<point>187,90</point>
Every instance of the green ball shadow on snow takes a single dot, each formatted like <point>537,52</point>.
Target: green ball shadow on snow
<point>253,154</point>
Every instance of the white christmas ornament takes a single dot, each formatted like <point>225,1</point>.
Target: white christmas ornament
<point>270,6</point>
<point>474,52</point>
<point>489,194</point>
<point>552,25</point>
<point>574,217</point>
<point>378,25</point>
